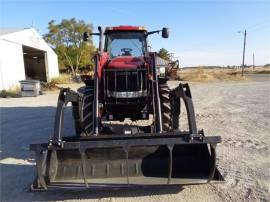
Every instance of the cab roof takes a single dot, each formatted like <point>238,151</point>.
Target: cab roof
<point>125,28</point>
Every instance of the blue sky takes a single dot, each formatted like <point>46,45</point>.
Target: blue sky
<point>201,32</point>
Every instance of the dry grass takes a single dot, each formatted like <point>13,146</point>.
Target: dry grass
<point>259,70</point>
<point>49,86</point>
<point>11,92</point>
<point>203,74</point>
<point>62,79</point>
<point>53,84</point>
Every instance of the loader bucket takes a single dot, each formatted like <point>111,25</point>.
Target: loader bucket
<point>124,161</point>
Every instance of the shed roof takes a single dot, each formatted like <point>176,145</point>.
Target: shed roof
<point>4,31</point>
<point>26,37</point>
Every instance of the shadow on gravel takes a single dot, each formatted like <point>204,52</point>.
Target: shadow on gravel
<point>21,126</point>
<point>120,193</point>
<point>17,180</point>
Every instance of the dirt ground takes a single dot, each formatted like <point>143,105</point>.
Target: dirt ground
<point>238,111</point>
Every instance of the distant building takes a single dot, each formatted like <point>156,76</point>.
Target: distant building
<point>25,55</point>
<point>160,62</point>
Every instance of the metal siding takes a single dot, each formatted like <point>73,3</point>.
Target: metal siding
<point>12,55</point>
<point>11,64</point>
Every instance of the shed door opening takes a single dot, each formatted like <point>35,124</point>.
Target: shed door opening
<point>34,64</point>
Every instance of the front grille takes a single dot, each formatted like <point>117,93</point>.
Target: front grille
<point>125,82</point>
<point>126,94</point>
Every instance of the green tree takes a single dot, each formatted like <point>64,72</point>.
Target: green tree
<point>164,54</point>
<point>66,38</point>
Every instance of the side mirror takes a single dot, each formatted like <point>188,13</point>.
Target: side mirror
<point>99,29</point>
<point>165,32</point>
<point>85,36</point>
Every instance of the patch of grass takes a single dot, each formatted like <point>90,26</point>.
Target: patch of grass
<point>11,92</point>
<point>201,74</point>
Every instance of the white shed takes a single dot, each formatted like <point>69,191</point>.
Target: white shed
<point>25,55</point>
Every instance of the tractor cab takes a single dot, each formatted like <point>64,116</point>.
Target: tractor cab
<point>125,41</point>
<point>126,47</point>
<point>125,73</point>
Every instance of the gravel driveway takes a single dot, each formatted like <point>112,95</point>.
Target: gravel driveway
<point>237,111</point>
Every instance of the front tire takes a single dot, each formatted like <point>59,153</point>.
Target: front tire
<point>84,121</point>
<point>166,110</point>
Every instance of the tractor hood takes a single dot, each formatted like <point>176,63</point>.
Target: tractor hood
<point>128,62</point>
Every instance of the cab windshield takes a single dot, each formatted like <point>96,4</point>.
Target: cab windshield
<point>125,44</point>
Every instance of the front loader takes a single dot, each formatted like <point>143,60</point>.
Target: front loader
<point>103,153</point>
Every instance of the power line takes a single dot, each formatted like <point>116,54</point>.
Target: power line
<point>257,29</point>
<point>257,25</point>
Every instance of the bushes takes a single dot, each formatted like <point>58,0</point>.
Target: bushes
<point>11,92</point>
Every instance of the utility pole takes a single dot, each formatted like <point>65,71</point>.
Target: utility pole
<point>244,50</point>
<point>253,61</point>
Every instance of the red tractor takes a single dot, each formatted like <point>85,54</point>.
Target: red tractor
<point>126,84</point>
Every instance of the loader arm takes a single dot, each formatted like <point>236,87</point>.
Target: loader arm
<point>172,148</point>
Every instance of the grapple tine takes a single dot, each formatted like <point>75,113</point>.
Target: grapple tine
<point>83,167</point>
<point>39,164</point>
<point>127,165</point>
<point>170,147</point>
